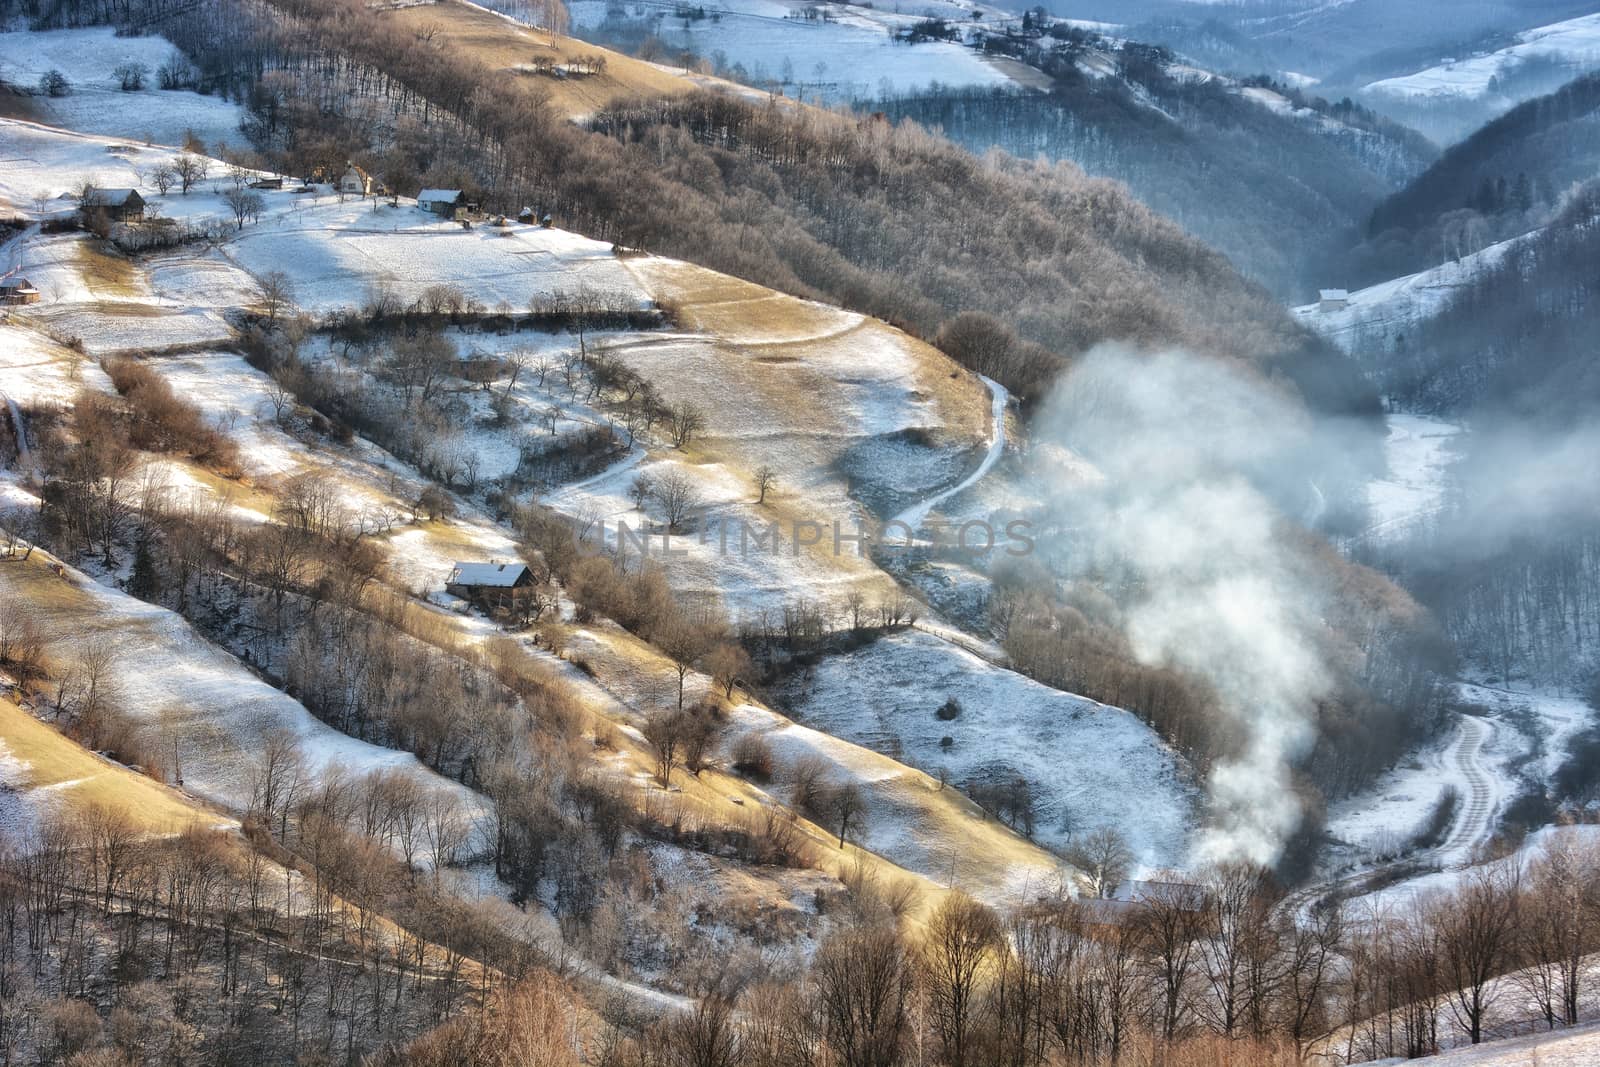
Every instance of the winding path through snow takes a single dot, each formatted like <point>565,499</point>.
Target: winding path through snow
<point>1475,817</point>
<point>917,514</point>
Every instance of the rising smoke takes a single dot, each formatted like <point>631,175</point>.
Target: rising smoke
<point>1186,524</point>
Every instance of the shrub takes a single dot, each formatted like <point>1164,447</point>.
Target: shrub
<point>753,758</point>
<point>161,421</point>
<point>949,711</point>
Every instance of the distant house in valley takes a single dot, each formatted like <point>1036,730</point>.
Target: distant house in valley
<point>489,585</point>
<point>119,205</point>
<point>1333,300</point>
<point>18,291</point>
<point>268,184</point>
<point>442,202</point>
<point>355,181</point>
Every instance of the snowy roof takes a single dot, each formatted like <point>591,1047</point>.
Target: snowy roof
<point>16,285</point>
<point>496,575</point>
<point>447,196</point>
<point>112,197</point>
<point>1335,294</point>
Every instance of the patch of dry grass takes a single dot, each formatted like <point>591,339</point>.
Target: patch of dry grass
<point>58,772</point>
<point>110,275</point>
<point>502,45</point>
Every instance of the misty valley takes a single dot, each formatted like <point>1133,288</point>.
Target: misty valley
<point>771,533</point>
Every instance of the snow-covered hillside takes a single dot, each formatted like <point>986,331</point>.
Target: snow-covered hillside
<point>1380,316</point>
<point>95,102</point>
<point>1570,1048</point>
<point>1575,43</point>
<point>1081,759</point>
<point>835,51</point>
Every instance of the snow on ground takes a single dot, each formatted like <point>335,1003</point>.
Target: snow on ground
<point>221,712</point>
<point>1480,760</point>
<point>1552,716</point>
<point>1083,759</point>
<point>1381,315</point>
<point>342,253</point>
<point>35,370</point>
<point>1575,41</point>
<point>233,395</point>
<point>113,328</point>
<point>1569,1048</point>
<point>901,823</point>
<point>97,104</point>
<point>850,55</point>
<point>1420,451</point>
<point>1381,821</point>
<point>914,516</point>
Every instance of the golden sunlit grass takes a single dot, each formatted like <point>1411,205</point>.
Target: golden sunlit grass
<point>62,774</point>
<point>502,45</point>
<point>108,275</point>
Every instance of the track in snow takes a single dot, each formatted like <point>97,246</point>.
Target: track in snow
<point>917,514</point>
<point>1474,821</point>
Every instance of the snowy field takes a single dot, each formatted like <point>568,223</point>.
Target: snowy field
<point>222,713</point>
<point>1420,451</point>
<point>1083,759</point>
<point>342,253</point>
<point>96,103</point>
<point>1380,315</point>
<point>1574,1048</point>
<point>1576,42</point>
<point>852,55</point>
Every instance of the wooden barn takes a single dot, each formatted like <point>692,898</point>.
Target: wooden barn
<point>15,291</point>
<point>442,202</point>
<point>120,205</point>
<point>489,585</point>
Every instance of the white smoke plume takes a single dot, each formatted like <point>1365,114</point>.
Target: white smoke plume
<point>1186,445</point>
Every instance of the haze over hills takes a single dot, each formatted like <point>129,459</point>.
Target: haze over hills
<point>765,535</point>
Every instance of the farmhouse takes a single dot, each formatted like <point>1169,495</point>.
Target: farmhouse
<point>355,181</point>
<point>1333,300</point>
<point>267,184</point>
<point>120,205</point>
<point>18,291</point>
<point>442,202</point>
<point>488,584</point>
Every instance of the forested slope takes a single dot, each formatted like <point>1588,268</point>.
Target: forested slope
<point>1501,181</point>
<point>1238,165</point>
<point>883,219</point>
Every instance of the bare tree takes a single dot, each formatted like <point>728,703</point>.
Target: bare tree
<point>664,731</point>
<point>276,291</point>
<point>678,496</point>
<point>728,664</point>
<point>845,804</point>
<point>765,477</point>
<point>863,990</point>
<point>190,169</point>
<point>1104,856</point>
<point>164,176</point>
<point>244,204</point>
<point>685,642</point>
<point>685,421</point>
<point>960,940</point>
<point>1477,932</point>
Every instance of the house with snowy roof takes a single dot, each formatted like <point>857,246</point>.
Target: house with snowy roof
<point>1333,300</point>
<point>120,205</point>
<point>488,584</point>
<point>16,290</point>
<point>442,202</point>
<point>355,181</point>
